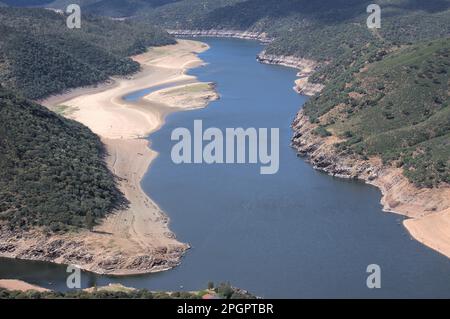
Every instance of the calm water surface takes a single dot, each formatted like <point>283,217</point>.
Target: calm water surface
<point>299,233</point>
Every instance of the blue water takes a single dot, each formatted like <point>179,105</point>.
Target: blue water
<point>137,95</point>
<point>298,233</point>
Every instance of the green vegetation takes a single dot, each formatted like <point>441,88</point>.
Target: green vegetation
<point>396,108</point>
<point>101,294</point>
<point>53,173</point>
<point>188,14</point>
<point>190,88</point>
<point>23,3</point>
<point>223,291</point>
<point>386,90</point>
<point>122,8</point>
<point>322,131</point>
<point>40,56</point>
<point>111,8</point>
<point>297,25</point>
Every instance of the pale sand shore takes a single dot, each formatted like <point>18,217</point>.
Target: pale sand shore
<point>427,209</point>
<point>120,124</point>
<point>138,239</point>
<point>18,285</point>
<point>432,230</point>
<point>191,96</point>
<point>105,112</point>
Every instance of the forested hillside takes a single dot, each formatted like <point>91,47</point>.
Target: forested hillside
<point>53,173</point>
<point>111,8</point>
<point>40,56</point>
<point>123,8</point>
<point>386,90</point>
<point>396,108</point>
<point>222,291</point>
<point>24,3</point>
<point>320,30</point>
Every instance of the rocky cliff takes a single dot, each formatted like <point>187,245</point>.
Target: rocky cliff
<point>248,35</point>
<point>427,208</point>
<point>78,249</point>
<point>306,67</point>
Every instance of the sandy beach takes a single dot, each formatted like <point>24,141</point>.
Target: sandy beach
<point>122,125</point>
<point>138,239</point>
<point>432,230</point>
<point>427,209</point>
<point>19,285</point>
<point>192,95</point>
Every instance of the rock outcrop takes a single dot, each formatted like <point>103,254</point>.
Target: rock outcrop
<point>74,249</point>
<point>306,69</point>
<point>306,66</point>
<point>427,208</point>
<point>248,35</point>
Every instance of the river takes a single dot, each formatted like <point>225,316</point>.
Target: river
<point>295,234</point>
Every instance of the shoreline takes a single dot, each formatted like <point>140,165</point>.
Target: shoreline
<point>20,285</point>
<point>427,210</point>
<point>306,67</point>
<point>214,33</point>
<point>19,289</point>
<point>136,240</point>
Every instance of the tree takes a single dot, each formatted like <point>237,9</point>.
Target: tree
<point>89,220</point>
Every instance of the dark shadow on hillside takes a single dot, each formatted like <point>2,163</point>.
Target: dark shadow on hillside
<point>245,14</point>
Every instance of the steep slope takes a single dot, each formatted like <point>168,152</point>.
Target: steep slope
<point>25,3</point>
<point>185,14</point>
<point>386,120</point>
<point>123,8</point>
<point>395,108</point>
<point>53,173</point>
<point>383,116</point>
<point>345,46</point>
<point>297,24</point>
<point>110,8</point>
<point>39,55</point>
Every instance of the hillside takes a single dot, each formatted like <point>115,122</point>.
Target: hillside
<point>395,108</point>
<point>296,25</point>
<point>111,8</point>
<point>53,173</point>
<point>117,291</point>
<point>406,86</point>
<point>40,56</point>
<point>24,3</point>
<point>123,8</point>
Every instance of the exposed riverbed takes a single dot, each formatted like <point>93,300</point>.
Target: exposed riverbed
<point>298,233</point>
